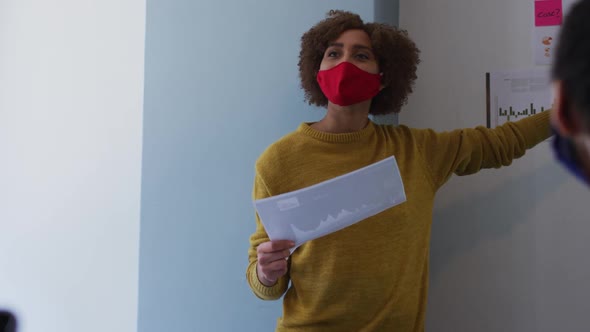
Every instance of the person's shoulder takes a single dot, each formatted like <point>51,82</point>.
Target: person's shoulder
<point>278,150</point>
<point>396,131</point>
<point>410,136</point>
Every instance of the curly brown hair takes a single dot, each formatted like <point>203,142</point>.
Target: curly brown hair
<point>397,57</point>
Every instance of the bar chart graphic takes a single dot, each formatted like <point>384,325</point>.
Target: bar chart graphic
<point>514,95</point>
<point>511,114</point>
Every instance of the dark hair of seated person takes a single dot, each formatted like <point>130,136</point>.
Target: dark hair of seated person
<point>7,321</point>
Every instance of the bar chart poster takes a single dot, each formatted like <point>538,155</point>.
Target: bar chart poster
<point>514,95</point>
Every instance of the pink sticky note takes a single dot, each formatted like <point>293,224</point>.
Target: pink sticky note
<point>548,12</point>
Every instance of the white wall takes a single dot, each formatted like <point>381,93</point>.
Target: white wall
<point>509,246</point>
<point>71,86</point>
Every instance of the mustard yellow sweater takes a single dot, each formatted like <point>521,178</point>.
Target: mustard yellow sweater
<point>373,276</point>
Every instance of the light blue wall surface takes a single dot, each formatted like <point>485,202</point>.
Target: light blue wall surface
<point>221,84</point>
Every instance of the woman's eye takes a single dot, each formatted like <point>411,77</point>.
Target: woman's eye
<point>362,56</point>
<point>332,54</point>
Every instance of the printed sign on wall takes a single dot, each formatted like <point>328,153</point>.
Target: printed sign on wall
<point>548,17</point>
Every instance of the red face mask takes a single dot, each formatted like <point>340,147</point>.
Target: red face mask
<point>347,84</point>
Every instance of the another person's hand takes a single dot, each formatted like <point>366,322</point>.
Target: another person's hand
<point>272,260</point>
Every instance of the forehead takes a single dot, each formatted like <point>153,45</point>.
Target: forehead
<point>354,37</point>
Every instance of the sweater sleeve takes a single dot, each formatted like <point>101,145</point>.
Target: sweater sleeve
<point>466,151</point>
<point>260,236</point>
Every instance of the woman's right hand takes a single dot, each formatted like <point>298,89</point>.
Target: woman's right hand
<point>272,260</point>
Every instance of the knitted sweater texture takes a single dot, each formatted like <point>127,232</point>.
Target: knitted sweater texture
<point>373,275</point>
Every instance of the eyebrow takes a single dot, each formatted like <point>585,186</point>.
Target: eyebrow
<point>357,46</point>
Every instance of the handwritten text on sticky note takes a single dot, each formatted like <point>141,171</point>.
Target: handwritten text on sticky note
<point>548,12</point>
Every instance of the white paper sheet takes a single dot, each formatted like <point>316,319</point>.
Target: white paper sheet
<point>518,94</point>
<point>544,41</point>
<point>332,205</point>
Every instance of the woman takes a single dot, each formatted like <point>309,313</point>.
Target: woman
<point>373,275</point>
